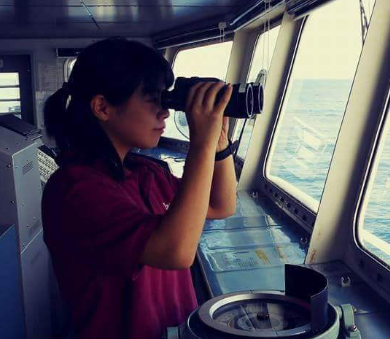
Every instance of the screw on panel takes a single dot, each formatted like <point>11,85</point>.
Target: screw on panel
<point>255,194</point>
<point>352,328</point>
<point>12,202</point>
<point>303,241</point>
<point>8,166</point>
<point>345,281</point>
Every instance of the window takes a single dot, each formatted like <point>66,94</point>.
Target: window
<point>315,101</point>
<point>10,94</point>
<point>261,61</point>
<point>206,61</point>
<point>374,225</point>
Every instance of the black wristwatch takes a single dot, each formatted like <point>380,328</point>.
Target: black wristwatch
<point>226,152</point>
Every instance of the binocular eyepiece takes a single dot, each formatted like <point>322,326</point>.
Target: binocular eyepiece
<point>246,100</point>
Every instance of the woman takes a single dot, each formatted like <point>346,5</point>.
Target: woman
<point>121,256</point>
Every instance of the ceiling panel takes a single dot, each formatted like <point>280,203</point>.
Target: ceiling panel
<point>112,15</point>
<point>229,3</point>
<point>47,15</point>
<point>46,18</point>
<point>120,14</point>
<point>28,3</point>
<point>80,30</point>
<point>195,3</point>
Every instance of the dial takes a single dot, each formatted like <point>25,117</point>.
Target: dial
<point>262,314</point>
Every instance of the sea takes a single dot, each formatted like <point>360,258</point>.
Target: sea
<point>305,144</point>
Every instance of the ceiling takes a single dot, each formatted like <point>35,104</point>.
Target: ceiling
<point>101,18</point>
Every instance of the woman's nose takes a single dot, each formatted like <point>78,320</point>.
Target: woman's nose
<point>163,114</point>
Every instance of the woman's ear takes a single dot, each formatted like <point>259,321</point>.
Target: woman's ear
<point>101,108</point>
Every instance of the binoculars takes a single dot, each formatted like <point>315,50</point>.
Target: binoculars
<point>246,100</point>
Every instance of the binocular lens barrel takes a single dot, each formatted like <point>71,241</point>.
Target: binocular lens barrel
<point>246,99</point>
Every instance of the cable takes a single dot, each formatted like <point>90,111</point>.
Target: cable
<point>268,32</point>
<point>264,43</point>
<point>364,21</point>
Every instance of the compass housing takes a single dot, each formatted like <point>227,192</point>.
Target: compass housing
<point>301,311</point>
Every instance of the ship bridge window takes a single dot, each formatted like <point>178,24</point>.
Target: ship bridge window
<point>315,100</point>
<point>374,220</point>
<point>260,64</point>
<point>205,61</point>
<point>10,94</point>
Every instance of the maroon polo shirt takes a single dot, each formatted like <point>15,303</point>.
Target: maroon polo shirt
<point>96,229</point>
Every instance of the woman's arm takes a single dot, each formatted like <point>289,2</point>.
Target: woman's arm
<point>174,243</point>
<point>223,188</point>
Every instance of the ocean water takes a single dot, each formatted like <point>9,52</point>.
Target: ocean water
<point>305,144</point>
<point>308,133</point>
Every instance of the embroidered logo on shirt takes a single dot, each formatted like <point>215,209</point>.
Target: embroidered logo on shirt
<point>166,205</point>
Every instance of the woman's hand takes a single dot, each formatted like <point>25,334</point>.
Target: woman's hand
<point>208,128</point>
<point>223,141</point>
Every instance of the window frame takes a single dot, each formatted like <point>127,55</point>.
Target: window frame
<point>367,181</point>
<point>239,161</point>
<point>12,99</point>
<point>304,204</point>
<point>372,269</point>
<point>289,203</point>
<point>334,237</point>
<point>29,115</point>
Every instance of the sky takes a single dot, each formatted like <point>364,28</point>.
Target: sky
<point>331,44</point>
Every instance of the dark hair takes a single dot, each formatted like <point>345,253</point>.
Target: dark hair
<point>114,68</point>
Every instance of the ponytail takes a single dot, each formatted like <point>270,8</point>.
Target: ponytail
<point>114,68</point>
<point>56,118</point>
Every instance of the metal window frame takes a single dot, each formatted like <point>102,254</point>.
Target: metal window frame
<point>239,161</point>
<point>300,208</point>
<point>367,259</point>
<point>253,176</point>
<point>371,172</point>
<point>302,211</point>
<point>31,117</point>
<point>334,234</point>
